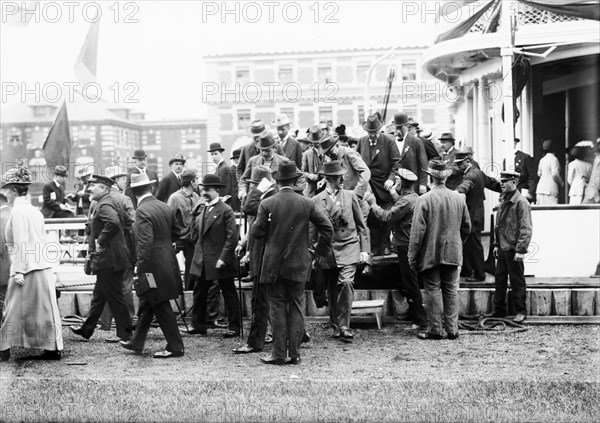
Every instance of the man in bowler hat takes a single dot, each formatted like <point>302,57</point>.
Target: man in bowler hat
<point>139,166</point>
<point>172,181</point>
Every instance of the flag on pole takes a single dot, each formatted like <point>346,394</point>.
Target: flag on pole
<point>86,63</point>
<point>57,147</point>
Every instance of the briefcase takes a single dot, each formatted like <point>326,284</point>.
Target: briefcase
<point>143,283</point>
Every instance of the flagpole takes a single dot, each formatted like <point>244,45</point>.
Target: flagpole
<point>507,82</point>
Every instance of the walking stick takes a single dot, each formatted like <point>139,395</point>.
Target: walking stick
<point>181,315</point>
<point>240,286</point>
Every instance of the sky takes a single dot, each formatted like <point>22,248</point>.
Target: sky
<point>152,51</point>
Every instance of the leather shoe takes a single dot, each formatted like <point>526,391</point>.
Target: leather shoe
<point>230,334</point>
<point>197,332</point>
<point>427,335</point>
<point>167,354</point>
<point>5,355</point>
<point>245,349</point>
<point>271,360</point>
<point>519,318</point>
<point>368,270</point>
<point>129,346</point>
<point>218,325</point>
<point>305,338</point>
<point>453,336</point>
<point>78,330</point>
<point>345,333</point>
<point>268,339</point>
<point>294,360</point>
<point>474,279</point>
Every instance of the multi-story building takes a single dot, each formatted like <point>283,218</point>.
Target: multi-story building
<point>317,86</point>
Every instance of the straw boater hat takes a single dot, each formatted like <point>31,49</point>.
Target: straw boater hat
<point>372,124</point>
<point>327,143</point>
<point>177,158</point>
<point>407,175</point>
<point>104,180</point>
<point>140,180</point>
<point>315,134</point>
<point>215,146</point>
<point>19,175</point>
<point>332,168</point>
<point>286,170</point>
<point>438,169</point>
<point>266,141</point>
<point>113,172</point>
<point>139,154</point>
<point>281,120</point>
<point>259,173</point>
<point>257,127</point>
<point>211,180</point>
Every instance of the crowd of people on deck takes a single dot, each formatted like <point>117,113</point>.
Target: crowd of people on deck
<point>318,203</point>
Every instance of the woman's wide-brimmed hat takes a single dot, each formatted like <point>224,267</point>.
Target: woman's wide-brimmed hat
<point>18,175</point>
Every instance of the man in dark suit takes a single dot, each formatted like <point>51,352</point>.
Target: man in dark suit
<point>525,166</point>
<point>283,222</point>
<point>140,166</point>
<point>290,147</point>
<point>312,161</point>
<point>412,153</point>
<point>82,198</point>
<point>448,150</point>
<point>380,153</point>
<point>426,136</point>
<point>214,232</point>
<point>53,194</point>
<point>110,258</point>
<point>172,181</point>
<point>155,231</point>
<point>227,176</point>
<point>439,228</point>
<point>257,128</point>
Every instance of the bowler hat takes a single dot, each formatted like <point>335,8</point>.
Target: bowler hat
<point>281,120</point>
<point>315,134</point>
<point>177,158</point>
<point>139,154</point>
<point>235,154</point>
<point>286,170</point>
<point>447,136</point>
<point>407,175</point>
<point>210,180</point>
<point>257,127</point>
<point>215,146</point>
<point>327,143</point>
<point>259,173</point>
<point>509,175</point>
<point>438,169</point>
<point>113,172</point>
<point>19,175</point>
<point>373,124</point>
<point>266,141</point>
<point>140,180</point>
<point>332,168</point>
<point>400,119</point>
<point>105,180</point>
<point>60,170</point>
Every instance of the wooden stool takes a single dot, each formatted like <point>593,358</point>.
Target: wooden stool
<point>369,307</point>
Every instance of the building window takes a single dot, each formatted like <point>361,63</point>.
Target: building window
<point>242,75</point>
<point>151,137</point>
<point>15,139</point>
<point>243,119</point>
<point>361,115</point>
<point>324,74</point>
<point>362,69</point>
<point>326,115</point>
<point>409,71</point>
<point>286,74</point>
<point>191,139</point>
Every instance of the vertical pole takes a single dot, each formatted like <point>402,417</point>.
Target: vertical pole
<point>567,126</point>
<point>507,81</point>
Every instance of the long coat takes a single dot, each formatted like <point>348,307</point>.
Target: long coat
<point>383,161</point>
<point>293,151</point>
<point>357,174</point>
<point>4,259</point>
<point>155,231</point>
<point>256,246</point>
<point>107,229</point>
<point>311,163</point>
<point>53,196</point>
<point>283,222</point>
<point>167,186</point>
<point>414,158</point>
<point>348,240</point>
<point>228,178</point>
<point>440,226</point>
<point>215,235</point>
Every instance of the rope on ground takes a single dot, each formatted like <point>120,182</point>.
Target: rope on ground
<point>61,286</point>
<point>478,325</point>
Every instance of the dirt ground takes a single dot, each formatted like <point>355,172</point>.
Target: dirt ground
<point>381,368</point>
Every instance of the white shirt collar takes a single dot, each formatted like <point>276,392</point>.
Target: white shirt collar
<point>213,202</point>
<point>143,196</point>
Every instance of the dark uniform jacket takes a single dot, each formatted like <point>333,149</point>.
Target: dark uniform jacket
<point>525,165</point>
<point>400,215</point>
<point>472,184</point>
<point>256,246</point>
<point>155,232</point>
<point>53,196</point>
<point>229,179</point>
<point>167,186</point>
<point>383,161</point>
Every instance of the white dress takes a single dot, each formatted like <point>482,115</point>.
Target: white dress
<point>550,180</point>
<point>579,174</point>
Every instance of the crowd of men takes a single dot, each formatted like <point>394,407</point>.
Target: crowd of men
<point>323,203</point>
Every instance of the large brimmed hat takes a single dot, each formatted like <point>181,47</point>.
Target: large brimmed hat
<point>215,146</point>
<point>315,134</point>
<point>260,172</point>
<point>139,154</point>
<point>210,180</point>
<point>509,175</point>
<point>140,180</point>
<point>60,170</point>
<point>447,136</point>
<point>372,124</point>
<point>286,170</point>
<point>177,158</point>
<point>281,120</point>
<point>114,172</point>
<point>332,168</point>
<point>327,143</point>
<point>105,180</point>
<point>400,119</point>
<point>19,175</point>
<point>257,127</point>
<point>266,141</point>
<point>438,169</point>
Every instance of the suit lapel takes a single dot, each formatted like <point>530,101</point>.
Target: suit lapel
<point>211,216</point>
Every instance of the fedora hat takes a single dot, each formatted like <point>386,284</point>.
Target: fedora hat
<point>447,136</point>
<point>19,175</point>
<point>438,169</point>
<point>315,134</point>
<point>372,124</point>
<point>215,146</point>
<point>286,170</point>
<point>407,175</point>
<point>113,172</point>
<point>327,143</point>
<point>104,180</point>
<point>463,154</point>
<point>400,119</point>
<point>266,141</point>
<point>60,170</point>
<point>177,158</point>
<point>259,173</point>
<point>332,168</point>
<point>281,120</point>
<point>211,180</point>
<point>139,154</point>
<point>140,180</point>
<point>235,154</point>
<point>509,175</point>
<point>257,127</point>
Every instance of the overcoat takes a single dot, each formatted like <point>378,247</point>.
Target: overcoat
<point>383,161</point>
<point>167,186</point>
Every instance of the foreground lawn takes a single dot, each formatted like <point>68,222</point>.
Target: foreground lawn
<point>548,374</point>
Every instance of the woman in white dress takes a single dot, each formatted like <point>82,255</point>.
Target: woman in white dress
<point>578,175</point>
<point>550,180</point>
<point>31,317</point>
